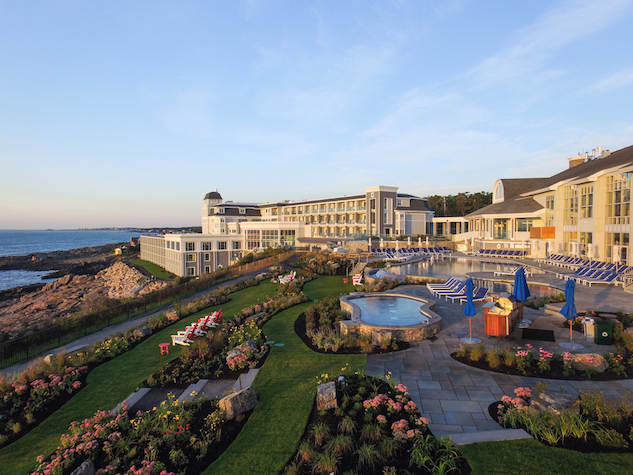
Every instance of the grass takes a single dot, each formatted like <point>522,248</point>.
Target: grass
<point>529,456</point>
<point>153,269</point>
<point>286,385</point>
<point>109,384</point>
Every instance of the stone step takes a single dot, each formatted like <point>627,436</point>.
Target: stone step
<point>245,380</point>
<point>360,267</point>
<point>489,436</point>
<point>132,399</point>
<point>192,391</point>
<point>553,309</point>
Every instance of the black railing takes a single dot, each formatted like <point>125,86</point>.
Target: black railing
<point>24,347</point>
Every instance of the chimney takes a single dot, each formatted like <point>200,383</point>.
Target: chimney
<point>575,161</point>
<point>599,152</point>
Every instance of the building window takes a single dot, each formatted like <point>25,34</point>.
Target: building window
<point>207,256</point>
<point>586,202</point>
<point>270,238</point>
<point>178,246</point>
<point>207,269</point>
<point>191,271</point>
<point>242,210</point>
<point>252,239</point>
<point>219,210</point>
<point>571,206</point>
<point>222,245</point>
<point>206,246</point>
<point>619,199</point>
<point>237,245</point>
<point>190,257</point>
<point>524,224</point>
<point>287,237</point>
<point>190,246</point>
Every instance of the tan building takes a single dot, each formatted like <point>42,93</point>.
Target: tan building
<point>583,211</point>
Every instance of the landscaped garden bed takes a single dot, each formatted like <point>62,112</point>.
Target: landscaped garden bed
<point>169,439</point>
<point>375,429</point>
<point>586,424</point>
<point>528,360</point>
<point>318,327</point>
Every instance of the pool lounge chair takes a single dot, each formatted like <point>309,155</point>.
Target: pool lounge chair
<point>481,294</point>
<point>458,295</point>
<point>451,282</point>
<point>609,278</point>
<point>460,287</point>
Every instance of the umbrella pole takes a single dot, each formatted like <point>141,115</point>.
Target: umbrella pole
<point>571,337</point>
<point>470,324</point>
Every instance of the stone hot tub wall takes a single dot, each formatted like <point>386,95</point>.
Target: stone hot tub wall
<point>420,331</point>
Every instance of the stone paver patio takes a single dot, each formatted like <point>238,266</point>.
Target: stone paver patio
<point>454,396</point>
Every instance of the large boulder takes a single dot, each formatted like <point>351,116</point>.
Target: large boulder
<point>381,338</point>
<point>241,348</point>
<point>142,332</point>
<point>326,396</point>
<point>555,402</point>
<point>238,403</point>
<point>594,361</point>
<point>86,468</point>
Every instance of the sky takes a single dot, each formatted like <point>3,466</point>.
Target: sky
<point>127,113</point>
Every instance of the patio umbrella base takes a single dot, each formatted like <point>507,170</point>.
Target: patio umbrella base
<point>470,340</point>
<point>524,323</point>
<point>571,346</point>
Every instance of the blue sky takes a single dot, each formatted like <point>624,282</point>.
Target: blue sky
<point>128,113</point>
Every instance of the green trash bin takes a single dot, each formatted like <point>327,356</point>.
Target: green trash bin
<point>604,332</point>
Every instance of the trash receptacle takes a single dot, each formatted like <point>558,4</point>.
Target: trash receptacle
<point>590,329</point>
<point>604,332</point>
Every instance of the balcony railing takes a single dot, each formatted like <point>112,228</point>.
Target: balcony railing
<point>361,208</point>
<point>351,208</point>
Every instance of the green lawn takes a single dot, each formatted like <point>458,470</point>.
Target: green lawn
<point>528,456</point>
<point>286,385</point>
<point>109,384</point>
<point>159,272</point>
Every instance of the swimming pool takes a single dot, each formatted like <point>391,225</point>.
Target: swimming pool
<point>449,267</point>
<point>390,311</point>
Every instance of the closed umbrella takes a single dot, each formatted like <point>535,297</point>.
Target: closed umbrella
<point>382,243</point>
<point>569,312</point>
<point>470,311</point>
<point>590,251</point>
<point>409,242</point>
<point>616,254</point>
<point>521,292</point>
<point>369,244</point>
<point>419,241</point>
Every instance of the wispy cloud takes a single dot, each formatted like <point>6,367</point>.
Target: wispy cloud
<point>540,41</point>
<point>188,114</point>
<point>615,81</point>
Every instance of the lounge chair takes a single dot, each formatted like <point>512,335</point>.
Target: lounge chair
<point>481,294</point>
<point>449,283</point>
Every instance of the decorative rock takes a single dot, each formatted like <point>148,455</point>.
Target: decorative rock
<point>239,349</point>
<point>629,330</point>
<point>594,361</point>
<point>238,403</point>
<point>555,402</point>
<point>172,316</point>
<point>326,396</point>
<point>381,338</point>
<point>48,358</point>
<point>86,468</point>
<point>142,332</point>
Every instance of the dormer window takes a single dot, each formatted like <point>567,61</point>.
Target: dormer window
<point>220,210</point>
<point>242,210</point>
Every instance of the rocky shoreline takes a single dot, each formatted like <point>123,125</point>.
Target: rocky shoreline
<point>90,278</point>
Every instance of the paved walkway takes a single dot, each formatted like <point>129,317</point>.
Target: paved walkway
<point>454,396</point>
<point>121,327</point>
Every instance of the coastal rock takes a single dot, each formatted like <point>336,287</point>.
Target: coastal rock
<point>241,348</point>
<point>86,468</point>
<point>142,332</point>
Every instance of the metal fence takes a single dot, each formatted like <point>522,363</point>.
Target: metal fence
<point>21,348</point>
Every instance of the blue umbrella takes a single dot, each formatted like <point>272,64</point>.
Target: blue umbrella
<point>521,293</point>
<point>569,309</point>
<point>521,289</point>
<point>569,312</point>
<point>470,311</point>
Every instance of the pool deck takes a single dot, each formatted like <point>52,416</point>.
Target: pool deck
<point>455,397</point>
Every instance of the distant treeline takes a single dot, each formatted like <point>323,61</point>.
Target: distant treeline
<point>460,204</point>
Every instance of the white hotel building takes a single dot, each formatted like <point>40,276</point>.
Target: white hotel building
<point>229,230</point>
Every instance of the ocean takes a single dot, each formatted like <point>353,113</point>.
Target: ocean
<point>22,243</point>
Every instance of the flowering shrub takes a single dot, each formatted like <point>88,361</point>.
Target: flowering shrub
<point>568,364</point>
<point>23,401</point>
<point>324,263</point>
<point>544,360</point>
<point>376,429</point>
<point>524,357</point>
<point>247,358</point>
<point>243,333</point>
<point>165,441</point>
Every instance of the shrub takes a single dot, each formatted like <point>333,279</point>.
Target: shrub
<point>493,357</point>
<point>478,351</point>
<point>610,438</point>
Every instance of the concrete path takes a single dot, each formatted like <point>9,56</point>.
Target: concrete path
<point>454,396</point>
<point>121,327</point>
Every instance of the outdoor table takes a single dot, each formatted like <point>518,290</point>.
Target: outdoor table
<point>164,348</point>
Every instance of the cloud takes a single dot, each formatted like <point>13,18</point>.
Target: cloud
<point>615,81</point>
<point>188,115</point>
<point>537,43</point>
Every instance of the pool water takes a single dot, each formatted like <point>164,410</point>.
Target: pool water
<point>449,267</point>
<point>390,311</point>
